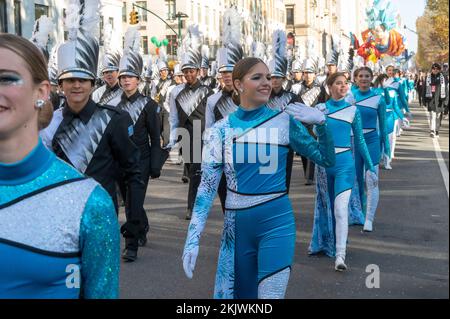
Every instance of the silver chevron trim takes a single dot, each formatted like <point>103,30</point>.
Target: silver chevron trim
<point>189,99</point>
<point>225,105</point>
<point>371,102</point>
<point>338,150</point>
<point>79,141</point>
<point>279,102</point>
<point>135,108</point>
<point>368,130</point>
<point>346,114</point>
<point>310,96</point>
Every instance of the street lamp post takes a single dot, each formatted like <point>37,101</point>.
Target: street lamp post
<point>179,15</point>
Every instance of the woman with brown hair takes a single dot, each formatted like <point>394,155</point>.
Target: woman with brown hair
<point>59,235</point>
<point>335,183</point>
<point>251,146</point>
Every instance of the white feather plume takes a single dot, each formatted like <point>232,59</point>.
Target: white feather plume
<point>132,41</point>
<point>107,36</point>
<point>43,27</point>
<point>231,23</point>
<point>90,17</point>
<point>162,54</point>
<point>205,50</point>
<point>258,50</point>
<point>279,43</point>
<point>83,15</point>
<point>72,20</point>
<point>193,38</point>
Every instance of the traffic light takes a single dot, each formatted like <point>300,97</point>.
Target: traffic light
<point>134,19</point>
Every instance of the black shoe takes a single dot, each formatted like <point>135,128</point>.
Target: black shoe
<point>142,241</point>
<point>185,179</point>
<point>188,214</point>
<point>129,255</point>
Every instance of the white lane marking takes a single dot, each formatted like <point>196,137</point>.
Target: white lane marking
<point>440,159</point>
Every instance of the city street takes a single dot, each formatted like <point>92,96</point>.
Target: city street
<point>410,243</point>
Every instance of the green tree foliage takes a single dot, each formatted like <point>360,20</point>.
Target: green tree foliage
<point>432,29</point>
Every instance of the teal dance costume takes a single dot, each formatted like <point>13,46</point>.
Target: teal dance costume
<point>334,184</point>
<point>59,235</point>
<point>257,246</point>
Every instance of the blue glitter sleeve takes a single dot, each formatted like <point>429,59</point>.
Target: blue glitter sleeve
<point>321,152</point>
<point>360,142</point>
<point>100,247</point>
<point>403,99</point>
<point>212,168</point>
<point>384,136</point>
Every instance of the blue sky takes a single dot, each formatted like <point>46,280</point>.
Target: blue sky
<point>410,10</point>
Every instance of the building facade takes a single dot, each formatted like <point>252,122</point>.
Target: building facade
<point>261,17</point>
<point>18,17</point>
<point>313,22</point>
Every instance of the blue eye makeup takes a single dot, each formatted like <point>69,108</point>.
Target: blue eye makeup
<point>10,79</point>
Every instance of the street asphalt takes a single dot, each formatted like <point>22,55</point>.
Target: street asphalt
<point>409,244</point>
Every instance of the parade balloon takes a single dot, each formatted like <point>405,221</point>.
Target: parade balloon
<point>165,42</point>
<point>158,44</point>
<point>154,40</point>
<point>157,51</point>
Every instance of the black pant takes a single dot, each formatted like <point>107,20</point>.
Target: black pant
<point>419,95</point>
<point>195,176</point>
<point>222,191</point>
<point>140,220</point>
<point>308,168</point>
<point>165,126</point>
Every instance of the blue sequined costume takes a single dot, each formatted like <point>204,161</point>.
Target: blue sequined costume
<point>334,184</point>
<point>372,107</point>
<point>59,234</point>
<point>397,101</point>
<point>258,240</point>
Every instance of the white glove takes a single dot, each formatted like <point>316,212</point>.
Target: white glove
<point>372,179</point>
<point>322,107</point>
<point>405,122</point>
<point>305,114</point>
<point>189,259</point>
<point>171,145</point>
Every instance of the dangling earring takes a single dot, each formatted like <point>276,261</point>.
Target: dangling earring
<point>39,104</point>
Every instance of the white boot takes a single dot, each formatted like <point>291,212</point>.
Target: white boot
<point>339,264</point>
<point>367,226</point>
<point>387,163</point>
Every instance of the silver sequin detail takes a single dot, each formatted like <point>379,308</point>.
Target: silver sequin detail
<point>239,201</point>
<point>274,287</point>
<point>49,221</point>
<point>274,131</point>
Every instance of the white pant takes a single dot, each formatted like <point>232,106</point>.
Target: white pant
<point>434,117</point>
<point>341,216</point>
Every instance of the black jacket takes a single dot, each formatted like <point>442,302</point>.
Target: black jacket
<point>144,113</point>
<point>97,141</point>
